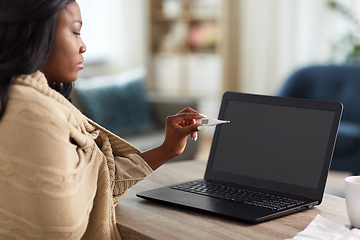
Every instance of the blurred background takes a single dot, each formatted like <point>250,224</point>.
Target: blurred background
<point>198,49</point>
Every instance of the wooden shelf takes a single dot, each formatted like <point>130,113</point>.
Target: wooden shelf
<point>158,15</point>
<point>187,43</point>
<point>177,27</point>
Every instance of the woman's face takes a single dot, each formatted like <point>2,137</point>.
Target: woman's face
<point>66,60</point>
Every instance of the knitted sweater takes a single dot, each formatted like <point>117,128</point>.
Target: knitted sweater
<point>60,173</point>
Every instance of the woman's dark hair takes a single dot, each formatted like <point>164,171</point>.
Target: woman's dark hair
<point>27,32</point>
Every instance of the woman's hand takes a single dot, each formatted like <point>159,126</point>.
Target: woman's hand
<point>178,127</point>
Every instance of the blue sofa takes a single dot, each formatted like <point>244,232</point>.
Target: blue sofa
<point>340,83</point>
<point>121,104</point>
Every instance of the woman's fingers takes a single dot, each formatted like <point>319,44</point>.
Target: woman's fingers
<point>188,110</point>
<point>186,117</point>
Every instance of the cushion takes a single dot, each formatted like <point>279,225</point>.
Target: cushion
<point>348,139</point>
<point>117,102</point>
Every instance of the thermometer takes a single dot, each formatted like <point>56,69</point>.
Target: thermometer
<point>210,121</point>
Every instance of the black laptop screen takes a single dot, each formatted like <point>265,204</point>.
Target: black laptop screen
<point>272,143</point>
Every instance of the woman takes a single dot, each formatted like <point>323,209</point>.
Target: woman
<point>60,173</point>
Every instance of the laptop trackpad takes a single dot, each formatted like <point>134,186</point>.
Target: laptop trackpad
<point>194,200</point>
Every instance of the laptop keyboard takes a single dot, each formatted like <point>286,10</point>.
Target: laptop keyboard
<point>258,199</point>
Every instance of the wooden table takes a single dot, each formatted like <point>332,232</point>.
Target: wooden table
<point>143,219</point>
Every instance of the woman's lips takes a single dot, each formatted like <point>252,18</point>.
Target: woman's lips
<point>81,64</point>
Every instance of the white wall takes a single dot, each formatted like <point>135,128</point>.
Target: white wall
<point>279,36</point>
<point>115,33</point>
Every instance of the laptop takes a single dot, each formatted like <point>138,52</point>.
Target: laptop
<point>271,160</point>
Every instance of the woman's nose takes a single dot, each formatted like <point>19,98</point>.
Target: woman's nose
<point>83,48</point>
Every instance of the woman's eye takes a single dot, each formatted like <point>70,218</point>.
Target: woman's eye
<point>77,33</point>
